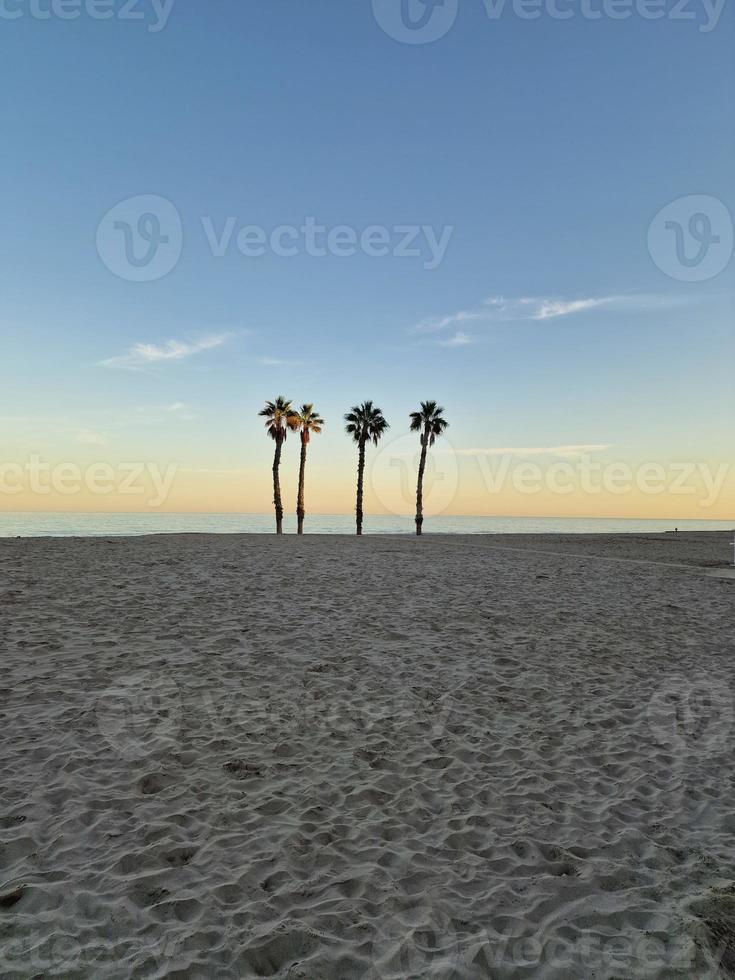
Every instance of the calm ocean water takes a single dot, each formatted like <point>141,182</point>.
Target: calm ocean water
<point>66,525</point>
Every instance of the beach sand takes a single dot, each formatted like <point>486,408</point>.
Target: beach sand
<point>330,757</point>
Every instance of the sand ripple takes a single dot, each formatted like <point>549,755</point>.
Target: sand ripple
<point>243,757</point>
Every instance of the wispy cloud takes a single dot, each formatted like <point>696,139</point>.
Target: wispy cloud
<point>574,449</point>
<point>501,309</point>
<point>181,411</point>
<point>141,356</point>
<point>277,362</point>
<point>88,438</point>
<point>459,339</point>
<point>97,427</point>
<point>544,308</point>
<point>453,320</point>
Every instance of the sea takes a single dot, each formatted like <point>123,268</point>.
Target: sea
<point>17,524</point>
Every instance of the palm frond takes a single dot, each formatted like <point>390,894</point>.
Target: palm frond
<point>365,422</point>
<point>308,421</point>
<point>279,417</point>
<point>429,421</point>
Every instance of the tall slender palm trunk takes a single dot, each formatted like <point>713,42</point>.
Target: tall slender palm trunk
<point>420,484</point>
<point>277,503</point>
<point>360,481</point>
<point>300,510</point>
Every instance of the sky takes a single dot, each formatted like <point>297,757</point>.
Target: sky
<point>524,216</point>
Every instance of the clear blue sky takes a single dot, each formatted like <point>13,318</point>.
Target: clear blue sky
<point>547,145</point>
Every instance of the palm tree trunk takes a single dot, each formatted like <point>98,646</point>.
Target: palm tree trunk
<point>420,484</point>
<point>277,503</point>
<point>360,478</point>
<point>300,512</point>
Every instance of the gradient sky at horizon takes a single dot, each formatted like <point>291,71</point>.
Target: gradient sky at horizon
<point>548,146</point>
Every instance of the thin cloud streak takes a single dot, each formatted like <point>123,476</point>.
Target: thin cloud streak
<point>567,451</point>
<point>453,320</point>
<point>141,356</point>
<point>540,308</point>
<point>575,449</point>
<point>277,362</point>
<point>500,309</point>
<point>460,339</point>
<point>89,438</point>
<point>180,410</point>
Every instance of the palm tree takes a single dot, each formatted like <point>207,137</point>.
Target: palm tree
<point>279,418</point>
<point>364,422</point>
<point>430,423</point>
<point>308,421</point>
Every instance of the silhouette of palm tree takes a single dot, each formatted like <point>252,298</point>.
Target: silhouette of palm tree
<point>279,418</point>
<point>430,422</point>
<point>364,423</point>
<point>309,422</point>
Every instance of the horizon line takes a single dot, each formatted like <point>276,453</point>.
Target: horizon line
<point>407,516</point>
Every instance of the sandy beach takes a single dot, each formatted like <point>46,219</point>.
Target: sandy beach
<point>326,757</point>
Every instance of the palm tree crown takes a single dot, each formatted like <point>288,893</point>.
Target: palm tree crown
<point>429,421</point>
<point>280,417</point>
<point>309,421</point>
<point>365,422</point>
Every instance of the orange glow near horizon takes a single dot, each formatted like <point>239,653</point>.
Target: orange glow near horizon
<point>455,486</point>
